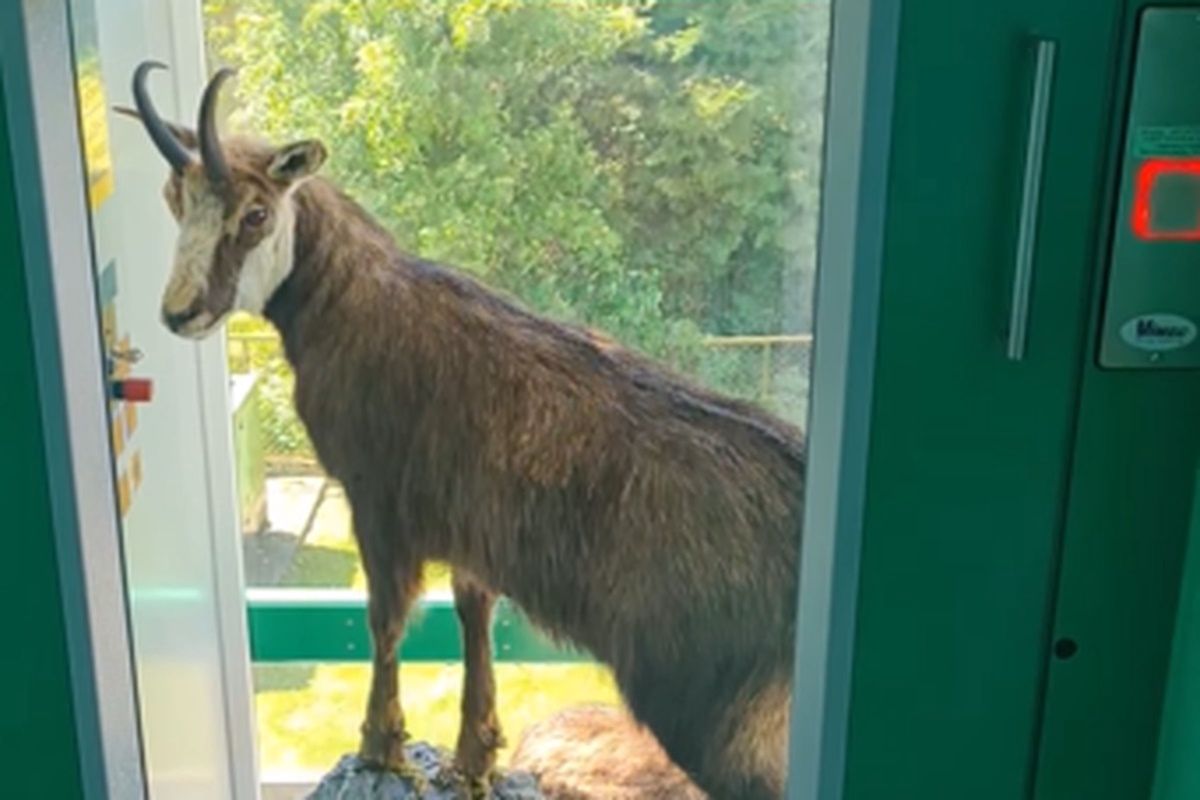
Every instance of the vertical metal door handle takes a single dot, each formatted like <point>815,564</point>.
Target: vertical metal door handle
<point>1031,192</point>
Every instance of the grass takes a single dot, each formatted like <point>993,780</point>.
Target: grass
<point>308,715</point>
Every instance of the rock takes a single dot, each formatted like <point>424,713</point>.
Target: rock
<point>600,753</point>
<point>352,780</point>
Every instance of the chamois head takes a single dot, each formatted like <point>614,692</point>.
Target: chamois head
<point>233,203</point>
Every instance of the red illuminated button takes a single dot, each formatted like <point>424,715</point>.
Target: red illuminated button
<point>1166,202</point>
<point>133,390</point>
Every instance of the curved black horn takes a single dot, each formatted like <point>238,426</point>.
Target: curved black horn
<point>174,152</point>
<point>211,154</point>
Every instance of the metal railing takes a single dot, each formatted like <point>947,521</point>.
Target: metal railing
<point>330,625</point>
<point>767,344</point>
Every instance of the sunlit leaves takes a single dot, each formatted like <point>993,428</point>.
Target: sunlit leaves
<point>650,168</point>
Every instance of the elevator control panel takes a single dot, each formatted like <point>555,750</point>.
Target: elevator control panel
<point>1152,308</point>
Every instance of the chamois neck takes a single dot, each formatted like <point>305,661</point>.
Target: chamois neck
<point>336,245</point>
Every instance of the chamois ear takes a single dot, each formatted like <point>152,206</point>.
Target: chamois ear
<point>296,160</point>
<point>186,136</point>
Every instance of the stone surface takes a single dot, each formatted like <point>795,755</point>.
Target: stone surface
<point>351,780</point>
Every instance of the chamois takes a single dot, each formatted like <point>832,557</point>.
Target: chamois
<point>621,507</point>
<point>599,753</point>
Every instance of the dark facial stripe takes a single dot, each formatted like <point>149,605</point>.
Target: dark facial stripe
<point>223,274</point>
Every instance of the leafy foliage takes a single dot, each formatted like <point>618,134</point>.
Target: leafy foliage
<point>647,168</point>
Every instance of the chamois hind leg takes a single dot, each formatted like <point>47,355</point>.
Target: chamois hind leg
<point>747,758</point>
<point>479,733</point>
<point>392,587</point>
<point>727,731</point>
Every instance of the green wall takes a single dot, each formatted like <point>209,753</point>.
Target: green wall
<point>39,756</point>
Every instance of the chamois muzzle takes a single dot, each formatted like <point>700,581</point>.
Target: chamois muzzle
<point>174,152</point>
<point>176,322</point>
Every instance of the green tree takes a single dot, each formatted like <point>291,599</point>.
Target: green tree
<point>647,168</point>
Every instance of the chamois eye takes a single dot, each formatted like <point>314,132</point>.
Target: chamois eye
<point>255,217</point>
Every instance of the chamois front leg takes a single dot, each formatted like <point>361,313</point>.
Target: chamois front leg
<point>479,733</point>
<point>392,587</point>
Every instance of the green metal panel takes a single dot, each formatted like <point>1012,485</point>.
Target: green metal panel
<point>333,628</point>
<point>970,452</point>
<point>39,756</point>
<point>1153,298</point>
<point>1131,494</point>
<point>1178,772</point>
<point>1124,543</point>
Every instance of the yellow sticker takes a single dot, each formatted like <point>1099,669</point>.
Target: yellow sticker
<point>123,494</point>
<point>93,115</point>
<point>118,436</point>
<point>108,323</point>
<point>135,469</point>
<point>130,419</point>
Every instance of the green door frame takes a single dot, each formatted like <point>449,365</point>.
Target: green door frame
<point>39,718</point>
<point>62,346</point>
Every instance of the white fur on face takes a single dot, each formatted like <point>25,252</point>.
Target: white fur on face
<point>268,264</point>
<point>201,225</point>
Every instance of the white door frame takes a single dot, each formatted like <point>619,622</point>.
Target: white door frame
<point>185,21</point>
<point>862,68</point>
<point>41,106</point>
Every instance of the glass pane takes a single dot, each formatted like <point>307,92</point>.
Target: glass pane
<point>648,171</point>
<point>160,475</point>
<point>652,174</point>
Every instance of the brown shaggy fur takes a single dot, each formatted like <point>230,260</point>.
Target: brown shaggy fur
<point>622,508</point>
<point>650,521</point>
<point>599,753</point>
